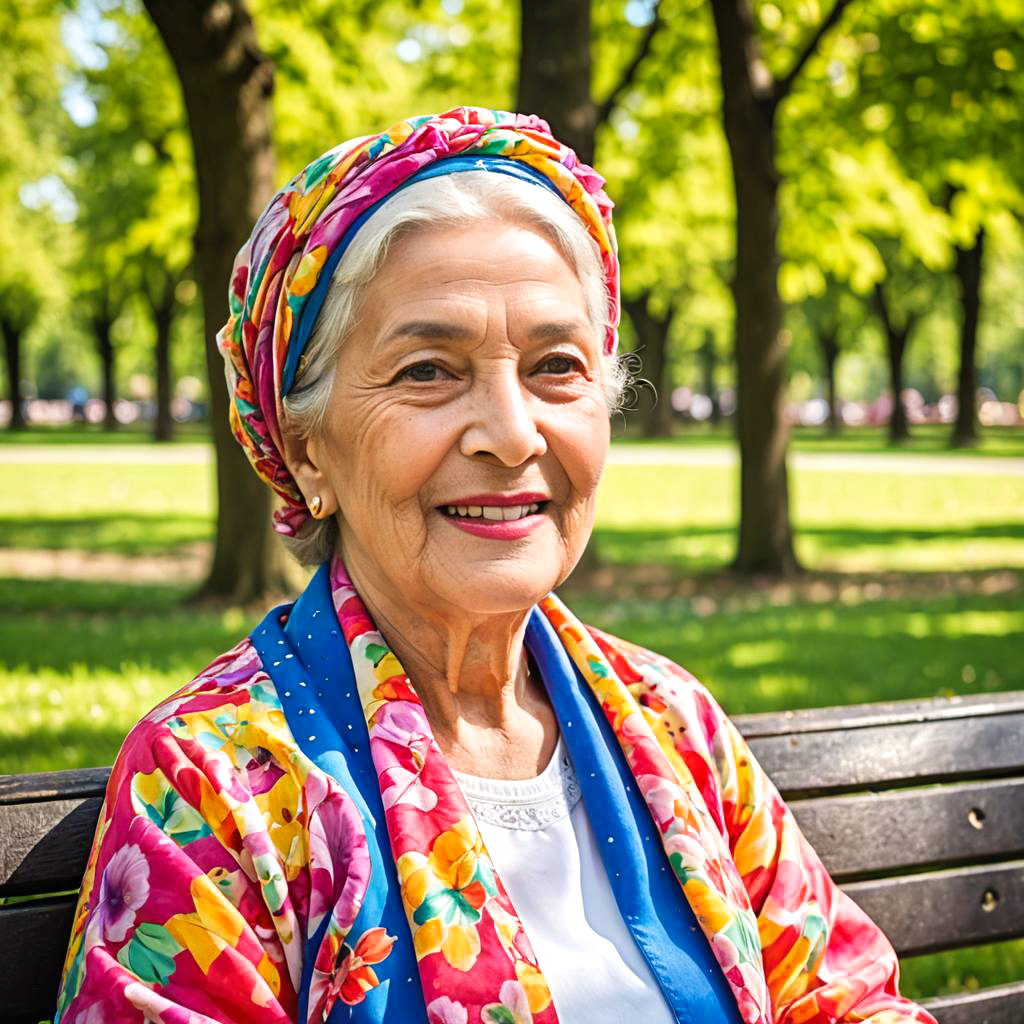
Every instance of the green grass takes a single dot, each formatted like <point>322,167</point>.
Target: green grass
<point>89,434</point>
<point>810,655</point>
<point>683,517</point>
<point>927,439</point>
<point>939,974</point>
<point>128,508</point>
<point>679,516</point>
<point>82,662</point>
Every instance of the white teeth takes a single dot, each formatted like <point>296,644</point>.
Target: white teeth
<point>494,513</point>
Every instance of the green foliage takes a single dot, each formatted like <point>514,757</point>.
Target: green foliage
<point>130,173</point>
<point>29,112</point>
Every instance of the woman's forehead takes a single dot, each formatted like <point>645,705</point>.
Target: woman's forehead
<point>439,287</point>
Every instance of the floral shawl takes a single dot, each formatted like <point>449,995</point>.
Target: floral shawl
<point>239,874</point>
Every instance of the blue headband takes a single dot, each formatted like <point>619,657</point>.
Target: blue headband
<point>303,328</point>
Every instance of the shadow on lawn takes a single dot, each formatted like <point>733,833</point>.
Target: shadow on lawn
<point>758,652</point>
<point>830,536</point>
<point>75,745</point>
<point>124,533</point>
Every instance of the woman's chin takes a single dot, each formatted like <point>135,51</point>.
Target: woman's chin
<point>506,582</point>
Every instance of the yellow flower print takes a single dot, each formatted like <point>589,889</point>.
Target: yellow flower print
<point>308,271</point>
<point>538,995</point>
<point>282,811</point>
<point>707,904</point>
<point>215,926</point>
<point>455,853</point>
<point>444,894</point>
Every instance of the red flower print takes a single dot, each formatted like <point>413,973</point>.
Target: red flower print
<point>355,976</point>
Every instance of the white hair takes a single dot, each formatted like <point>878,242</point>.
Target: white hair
<point>467,197</point>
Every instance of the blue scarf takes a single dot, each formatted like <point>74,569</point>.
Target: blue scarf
<point>307,659</point>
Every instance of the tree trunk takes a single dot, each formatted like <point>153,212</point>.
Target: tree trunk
<point>968,275</point>
<point>652,347</point>
<point>12,333</point>
<point>896,338</point>
<point>896,348</point>
<point>227,82</point>
<point>102,325</point>
<point>554,70</point>
<point>163,322</point>
<point>765,534</point>
<point>708,359</point>
<point>829,343</point>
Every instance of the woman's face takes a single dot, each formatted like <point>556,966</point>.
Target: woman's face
<point>468,427</point>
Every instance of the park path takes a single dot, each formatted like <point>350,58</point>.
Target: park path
<point>621,455</point>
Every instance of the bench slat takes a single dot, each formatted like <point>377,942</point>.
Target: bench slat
<point>81,782</point>
<point>894,831</point>
<point>944,910</point>
<point>1001,1005</point>
<point>34,938</point>
<point>44,845</point>
<point>838,761</point>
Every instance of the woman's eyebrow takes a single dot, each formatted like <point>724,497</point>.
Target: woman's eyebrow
<point>557,329</point>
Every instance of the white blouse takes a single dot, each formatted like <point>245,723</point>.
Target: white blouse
<point>543,848</point>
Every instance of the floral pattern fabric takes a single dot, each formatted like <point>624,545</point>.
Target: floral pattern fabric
<point>225,858</point>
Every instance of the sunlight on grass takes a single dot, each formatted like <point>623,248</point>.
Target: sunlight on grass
<point>682,516</point>
<point>938,974</point>
<point>812,655</point>
<point>129,508</point>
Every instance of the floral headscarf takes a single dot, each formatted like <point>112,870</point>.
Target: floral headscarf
<point>281,274</point>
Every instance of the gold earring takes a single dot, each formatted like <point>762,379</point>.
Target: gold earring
<point>315,505</point>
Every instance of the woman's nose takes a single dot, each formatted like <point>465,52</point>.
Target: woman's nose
<point>502,420</point>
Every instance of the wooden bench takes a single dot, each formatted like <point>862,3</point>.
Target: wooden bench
<point>917,809</point>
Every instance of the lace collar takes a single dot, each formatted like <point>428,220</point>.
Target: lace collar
<point>525,805</point>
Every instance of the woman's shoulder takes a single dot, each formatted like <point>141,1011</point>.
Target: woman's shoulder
<point>233,680</point>
<point>665,690</point>
<point>226,721</point>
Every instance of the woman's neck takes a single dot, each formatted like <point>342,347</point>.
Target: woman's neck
<point>488,713</point>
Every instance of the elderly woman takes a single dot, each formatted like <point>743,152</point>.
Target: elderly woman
<point>425,791</point>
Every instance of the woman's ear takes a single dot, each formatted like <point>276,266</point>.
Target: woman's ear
<point>304,457</point>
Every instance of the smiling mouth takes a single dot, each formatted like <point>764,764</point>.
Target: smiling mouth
<point>494,513</point>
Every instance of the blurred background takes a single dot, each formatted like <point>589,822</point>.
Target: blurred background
<point>816,495</point>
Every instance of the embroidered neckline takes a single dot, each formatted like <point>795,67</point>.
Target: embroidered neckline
<point>525,805</point>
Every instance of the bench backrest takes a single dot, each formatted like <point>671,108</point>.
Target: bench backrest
<point>916,808</point>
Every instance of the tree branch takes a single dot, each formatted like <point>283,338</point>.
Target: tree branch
<point>784,85</point>
<point>605,108</point>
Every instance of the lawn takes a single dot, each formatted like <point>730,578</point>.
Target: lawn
<point>916,590</point>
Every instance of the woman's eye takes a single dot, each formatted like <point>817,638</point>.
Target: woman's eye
<point>559,365</point>
<point>421,373</point>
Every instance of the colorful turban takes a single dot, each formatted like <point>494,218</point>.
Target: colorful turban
<point>281,274</point>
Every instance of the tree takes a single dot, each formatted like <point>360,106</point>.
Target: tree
<point>134,203</point>
<point>29,116</point>
<point>751,97</point>
<point>19,306</point>
<point>227,82</point>
<point>833,319</point>
<point>942,87</point>
<point>897,327</point>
